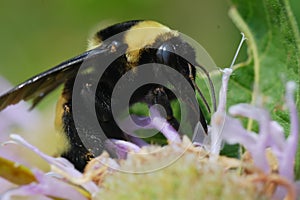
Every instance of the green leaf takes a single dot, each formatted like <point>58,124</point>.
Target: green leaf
<point>273,57</point>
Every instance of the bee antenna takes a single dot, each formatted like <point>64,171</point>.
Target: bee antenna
<point>211,85</point>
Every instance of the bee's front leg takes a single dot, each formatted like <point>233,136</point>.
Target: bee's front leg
<point>159,96</point>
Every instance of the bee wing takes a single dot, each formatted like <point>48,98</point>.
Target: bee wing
<point>39,86</point>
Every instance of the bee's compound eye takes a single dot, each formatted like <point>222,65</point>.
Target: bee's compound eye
<point>165,53</point>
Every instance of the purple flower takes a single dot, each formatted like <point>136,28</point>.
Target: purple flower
<point>121,147</point>
<point>270,134</point>
<point>60,166</point>
<point>16,117</point>
<point>154,121</point>
<point>45,188</point>
<point>133,123</point>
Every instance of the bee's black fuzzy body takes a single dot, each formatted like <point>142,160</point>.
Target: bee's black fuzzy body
<point>154,47</point>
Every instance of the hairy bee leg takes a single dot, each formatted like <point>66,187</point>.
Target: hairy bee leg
<point>159,96</point>
<point>76,152</point>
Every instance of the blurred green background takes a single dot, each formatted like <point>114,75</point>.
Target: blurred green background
<point>38,34</point>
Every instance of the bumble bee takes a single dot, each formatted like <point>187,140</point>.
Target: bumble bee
<point>142,47</point>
